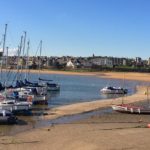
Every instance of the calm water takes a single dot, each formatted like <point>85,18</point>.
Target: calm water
<point>74,89</point>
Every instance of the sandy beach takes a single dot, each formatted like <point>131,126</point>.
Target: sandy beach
<point>110,75</point>
<point>108,131</point>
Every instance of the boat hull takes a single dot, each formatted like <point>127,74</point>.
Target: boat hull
<point>131,109</point>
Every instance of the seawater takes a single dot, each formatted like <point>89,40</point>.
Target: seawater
<point>73,89</point>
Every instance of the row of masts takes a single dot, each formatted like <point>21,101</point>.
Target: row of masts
<point>22,51</point>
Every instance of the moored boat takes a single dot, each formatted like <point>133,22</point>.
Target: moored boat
<point>15,106</point>
<point>113,90</point>
<point>49,85</point>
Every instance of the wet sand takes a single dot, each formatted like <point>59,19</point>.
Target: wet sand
<point>108,131</point>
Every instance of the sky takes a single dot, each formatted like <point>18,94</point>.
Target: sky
<point>118,28</point>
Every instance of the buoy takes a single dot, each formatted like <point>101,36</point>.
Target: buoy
<point>148,125</point>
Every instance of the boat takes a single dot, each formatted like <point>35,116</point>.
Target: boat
<point>51,86</point>
<point>39,100</point>
<point>128,108</point>
<point>133,109</point>
<point>14,106</point>
<point>113,90</point>
<point>35,95</point>
<point>7,117</point>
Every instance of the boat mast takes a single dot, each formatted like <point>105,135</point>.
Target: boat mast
<point>147,95</point>
<point>40,62</point>
<point>24,42</point>
<point>123,88</point>
<point>6,60</point>
<point>23,51</point>
<point>4,42</point>
<point>19,52</point>
<point>27,61</point>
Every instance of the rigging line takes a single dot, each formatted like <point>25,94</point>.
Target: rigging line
<point>16,73</point>
<point>37,49</point>
<point>23,53</point>
<point>1,41</point>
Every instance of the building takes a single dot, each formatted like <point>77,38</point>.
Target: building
<point>70,65</point>
<point>148,63</point>
<point>102,61</point>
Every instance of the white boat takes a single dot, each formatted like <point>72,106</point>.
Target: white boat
<point>29,94</point>
<point>113,90</point>
<point>15,106</point>
<point>129,108</point>
<point>51,86</point>
<point>40,99</point>
<point>7,117</point>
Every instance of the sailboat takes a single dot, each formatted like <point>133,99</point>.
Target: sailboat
<point>129,108</point>
<point>49,85</point>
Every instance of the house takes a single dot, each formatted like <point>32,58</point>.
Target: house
<point>70,65</point>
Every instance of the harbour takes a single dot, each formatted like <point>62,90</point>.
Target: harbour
<point>74,89</point>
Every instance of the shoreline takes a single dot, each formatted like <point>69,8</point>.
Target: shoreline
<point>84,107</point>
<point>108,75</point>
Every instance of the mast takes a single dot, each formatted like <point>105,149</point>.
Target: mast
<point>40,59</point>
<point>24,42</point>
<point>4,42</point>
<point>19,52</point>
<point>6,60</point>
<point>147,95</point>
<point>123,88</point>
<point>23,51</point>
<point>27,60</point>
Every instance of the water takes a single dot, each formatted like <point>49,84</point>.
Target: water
<point>74,89</point>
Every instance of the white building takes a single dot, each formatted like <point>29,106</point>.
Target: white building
<point>148,61</point>
<point>102,61</point>
<point>70,64</point>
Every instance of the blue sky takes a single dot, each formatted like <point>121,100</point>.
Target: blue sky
<point>119,28</point>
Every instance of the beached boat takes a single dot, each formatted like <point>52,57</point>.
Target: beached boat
<point>133,109</point>
<point>113,90</point>
<point>128,108</point>
<point>7,117</point>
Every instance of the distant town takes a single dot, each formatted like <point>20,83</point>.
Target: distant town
<point>93,63</point>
